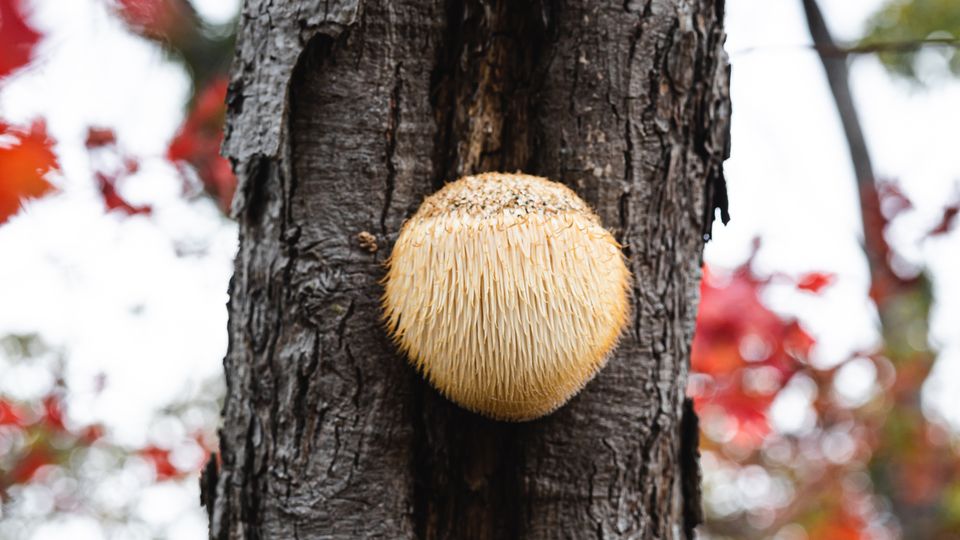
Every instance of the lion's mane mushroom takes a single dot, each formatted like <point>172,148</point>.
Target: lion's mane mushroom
<point>507,293</point>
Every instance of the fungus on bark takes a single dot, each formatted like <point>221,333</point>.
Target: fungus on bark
<point>506,292</point>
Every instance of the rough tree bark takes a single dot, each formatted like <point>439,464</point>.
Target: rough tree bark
<point>342,116</point>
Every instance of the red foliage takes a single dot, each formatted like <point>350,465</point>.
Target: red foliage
<point>947,221</point>
<point>815,282</point>
<point>747,351</point>
<point>24,163</point>
<point>155,19</point>
<point>879,205</point>
<point>105,140</point>
<point>37,456</point>
<point>838,525</point>
<point>197,143</point>
<point>911,461</point>
<point>893,201</point>
<point>160,459</point>
<point>91,434</point>
<point>113,200</point>
<point>49,441</point>
<point>10,414</point>
<point>53,412</point>
<point>100,137</point>
<point>17,38</point>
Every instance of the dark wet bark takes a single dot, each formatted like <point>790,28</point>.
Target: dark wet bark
<point>342,117</point>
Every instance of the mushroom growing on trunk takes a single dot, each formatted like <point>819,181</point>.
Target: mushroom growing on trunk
<point>506,292</point>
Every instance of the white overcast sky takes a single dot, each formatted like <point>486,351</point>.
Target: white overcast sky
<point>114,293</point>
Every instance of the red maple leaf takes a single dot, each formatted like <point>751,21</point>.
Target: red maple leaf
<point>108,174</point>
<point>100,137</point>
<point>17,38</point>
<point>112,198</point>
<point>160,459</point>
<point>815,281</point>
<point>738,342</point>
<point>156,19</point>
<point>36,457</point>
<point>881,203</point>
<point>49,440</point>
<point>53,412</point>
<point>24,164</point>
<point>198,140</point>
<point>735,328</point>
<point>10,414</point>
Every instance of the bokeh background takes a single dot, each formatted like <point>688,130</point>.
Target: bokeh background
<point>828,387</point>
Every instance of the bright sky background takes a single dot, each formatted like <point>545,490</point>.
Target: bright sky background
<point>115,294</point>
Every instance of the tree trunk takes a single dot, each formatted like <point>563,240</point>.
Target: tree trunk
<point>343,115</point>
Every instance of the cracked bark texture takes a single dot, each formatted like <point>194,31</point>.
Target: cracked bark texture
<point>342,116</point>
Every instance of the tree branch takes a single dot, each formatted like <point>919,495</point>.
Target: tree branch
<point>842,51</point>
<point>838,76</point>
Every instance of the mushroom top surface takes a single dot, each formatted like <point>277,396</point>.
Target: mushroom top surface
<point>491,194</point>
